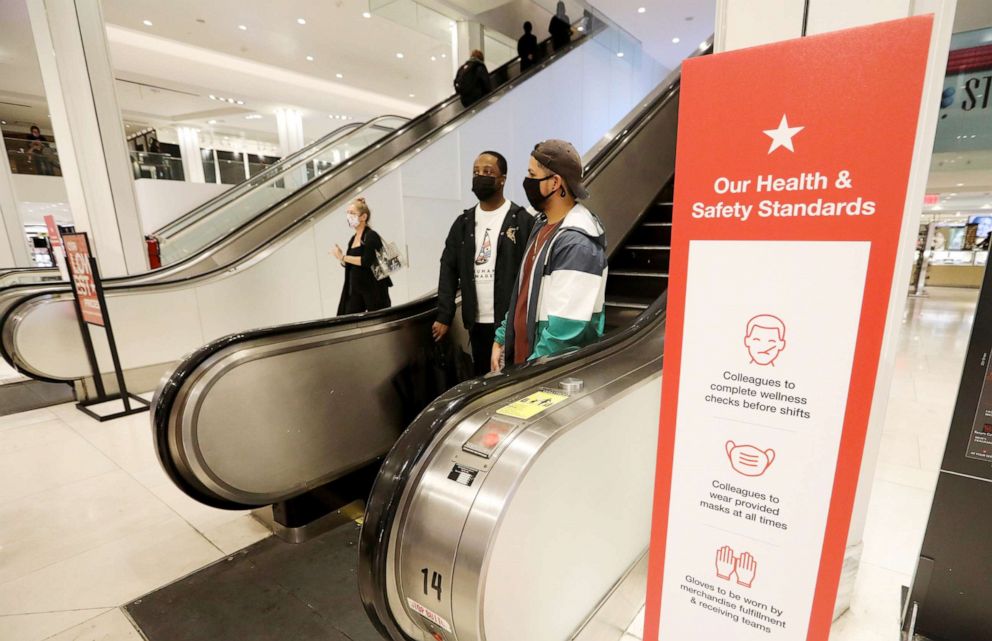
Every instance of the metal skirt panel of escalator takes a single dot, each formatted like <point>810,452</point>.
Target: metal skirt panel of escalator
<point>258,421</point>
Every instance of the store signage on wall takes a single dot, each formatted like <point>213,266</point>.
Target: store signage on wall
<point>84,280</point>
<point>55,240</point>
<point>791,183</point>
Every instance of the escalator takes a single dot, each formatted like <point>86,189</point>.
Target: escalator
<point>272,245</point>
<point>11,276</point>
<point>215,219</point>
<point>488,520</point>
<point>265,416</point>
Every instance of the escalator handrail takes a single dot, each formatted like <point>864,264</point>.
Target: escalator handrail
<point>239,189</point>
<point>119,283</point>
<point>168,391</point>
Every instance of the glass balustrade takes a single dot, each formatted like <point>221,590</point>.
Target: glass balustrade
<point>220,217</point>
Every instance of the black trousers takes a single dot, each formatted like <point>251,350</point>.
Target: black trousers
<point>482,336</point>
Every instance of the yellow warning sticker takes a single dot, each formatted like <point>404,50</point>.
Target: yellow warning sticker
<point>531,406</point>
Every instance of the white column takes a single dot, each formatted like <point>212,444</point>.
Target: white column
<point>189,150</point>
<point>13,240</point>
<point>79,83</point>
<point>470,38</point>
<point>290,125</point>
<point>742,24</point>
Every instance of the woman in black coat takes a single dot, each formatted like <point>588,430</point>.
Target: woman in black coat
<point>362,292</point>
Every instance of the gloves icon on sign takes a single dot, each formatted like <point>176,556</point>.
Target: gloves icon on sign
<point>748,459</point>
<point>744,566</point>
<point>726,562</point>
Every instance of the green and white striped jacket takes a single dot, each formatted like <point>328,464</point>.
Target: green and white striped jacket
<point>567,289</point>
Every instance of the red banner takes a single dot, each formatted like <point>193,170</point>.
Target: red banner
<point>84,279</point>
<point>791,181</point>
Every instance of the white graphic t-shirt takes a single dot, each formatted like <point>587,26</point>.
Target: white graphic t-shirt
<point>487,227</point>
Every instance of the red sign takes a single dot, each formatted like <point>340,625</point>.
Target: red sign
<point>55,239</point>
<point>792,171</point>
<point>929,200</point>
<point>84,279</point>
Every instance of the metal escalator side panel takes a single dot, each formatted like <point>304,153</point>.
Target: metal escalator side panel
<point>260,417</point>
<point>470,528</point>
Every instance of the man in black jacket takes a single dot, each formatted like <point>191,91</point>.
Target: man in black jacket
<point>482,256</point>
<point>472,81</point>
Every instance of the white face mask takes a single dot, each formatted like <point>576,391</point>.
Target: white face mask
<point>352,221</point>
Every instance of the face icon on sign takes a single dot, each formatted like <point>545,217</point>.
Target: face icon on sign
<point>765,339</point>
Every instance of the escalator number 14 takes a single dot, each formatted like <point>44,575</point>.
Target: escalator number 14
<point>435,582</point>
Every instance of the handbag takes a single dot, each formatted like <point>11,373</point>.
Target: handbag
<point>388,261</point>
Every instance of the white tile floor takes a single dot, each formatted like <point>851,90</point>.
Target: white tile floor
<point>88,521</point>
<point>8,374</point>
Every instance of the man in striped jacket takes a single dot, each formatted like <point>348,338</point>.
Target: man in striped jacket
<point>558,301</point>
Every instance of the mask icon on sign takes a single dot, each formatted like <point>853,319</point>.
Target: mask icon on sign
<point>748,459</point>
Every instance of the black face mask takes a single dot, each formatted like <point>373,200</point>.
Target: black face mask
<point>484,187</point>
<point>532,187</point>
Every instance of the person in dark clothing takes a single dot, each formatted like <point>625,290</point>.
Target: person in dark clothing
<point>527,48</point>
<point>362,292</point>
<point>472,82</point>
<point>482,257</point>
<point>560,28</point>
<point>39,151</point>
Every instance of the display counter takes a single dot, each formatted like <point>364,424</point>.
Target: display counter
<point>957,268</point>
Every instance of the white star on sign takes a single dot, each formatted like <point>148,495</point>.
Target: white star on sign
<point>782,137</point>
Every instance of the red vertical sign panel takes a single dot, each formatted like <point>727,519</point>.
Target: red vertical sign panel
<point>84,280</point>
<point>791,180</point>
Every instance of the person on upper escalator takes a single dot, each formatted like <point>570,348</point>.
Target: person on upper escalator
<point>362,291</point>
<point>527,48</point>
<point>560,28</point>
<point>481,257</point>
<point>472,82</point>
<point>558,301</point>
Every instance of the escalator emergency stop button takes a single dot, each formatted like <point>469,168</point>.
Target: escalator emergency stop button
<point>488,437</point>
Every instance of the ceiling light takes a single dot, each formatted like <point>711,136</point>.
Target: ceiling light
<point>147,23</point>
<point>253,116</point>
<point>309,58</point>
<point>211,122</point>
<point>641,9</point>
<point>619,54</point>
<point>960,185</point>
<point>242,27</point>
<point>433,58</point>
<point>213,97</point>
<point>3,122</point>
<point>339,75</point>
<point>400,55</point>
<point>444,55</point>
<point>301,21</point>
<point>366,14</point>
<point>413,96</point>
<point>675,41</point>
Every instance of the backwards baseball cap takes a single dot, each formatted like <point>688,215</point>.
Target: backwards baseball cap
<point>561,158</point>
